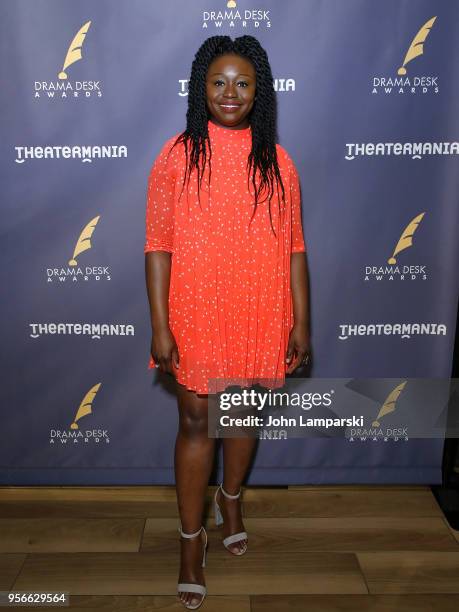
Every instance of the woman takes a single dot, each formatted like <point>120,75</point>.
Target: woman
<point>226,275</point>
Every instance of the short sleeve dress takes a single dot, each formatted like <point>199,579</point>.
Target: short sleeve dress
<point>230,301</point>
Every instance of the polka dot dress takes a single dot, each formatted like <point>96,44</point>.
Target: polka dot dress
<point>230,302</point>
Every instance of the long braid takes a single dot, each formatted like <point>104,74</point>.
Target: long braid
<point>263,155</point>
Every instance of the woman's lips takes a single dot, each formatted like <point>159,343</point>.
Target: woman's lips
<point>229,108</point>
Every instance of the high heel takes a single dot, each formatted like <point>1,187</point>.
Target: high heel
<point>236,537</point>
<point>191,587</point>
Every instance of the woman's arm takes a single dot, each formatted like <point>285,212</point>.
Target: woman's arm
<point>299,342</point>
<point>157,275</point>
<point>298,345</point>
<point>159,248</point>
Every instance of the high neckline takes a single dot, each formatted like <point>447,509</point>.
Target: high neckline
<point>224,132</point>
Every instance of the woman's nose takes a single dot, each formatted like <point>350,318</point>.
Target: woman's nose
<point>229,91</point>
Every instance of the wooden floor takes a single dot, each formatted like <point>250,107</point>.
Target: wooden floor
<point>338,548</point>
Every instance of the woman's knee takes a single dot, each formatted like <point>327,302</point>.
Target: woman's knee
<point>193,414</point>
<point>193,422</point>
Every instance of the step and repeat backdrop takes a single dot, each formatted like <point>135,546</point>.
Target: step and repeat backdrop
<point>367,96</point>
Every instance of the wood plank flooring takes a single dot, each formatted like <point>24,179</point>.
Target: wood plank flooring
<point>324,548</point>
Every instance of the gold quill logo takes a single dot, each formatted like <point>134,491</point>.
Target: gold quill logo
<point>74,50</point>
<point>84,241</point>
<point>417,45</point>
<point>405,240</point>
<point>86,405</point>
<point>389,404</point>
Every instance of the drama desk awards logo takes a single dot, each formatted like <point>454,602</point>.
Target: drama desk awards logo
<point>64,86</point>
<point>76,434</point>
<point>404,83</point>
<point>233,17</point>
<point>395,270</point>
<point>75,272</point>
<point>376,432</point>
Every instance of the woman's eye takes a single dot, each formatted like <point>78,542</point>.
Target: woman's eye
<point>239,83</point>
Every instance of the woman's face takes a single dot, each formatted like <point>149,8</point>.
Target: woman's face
<point>230,90</point>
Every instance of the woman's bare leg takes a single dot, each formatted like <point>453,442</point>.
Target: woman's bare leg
<point>193,460</point>
<point>237,454</point>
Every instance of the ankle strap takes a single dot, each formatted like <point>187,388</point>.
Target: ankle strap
<point>190,535</point>
<point>228,495</point>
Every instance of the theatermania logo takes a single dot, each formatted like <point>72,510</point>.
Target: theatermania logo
<point>85,153</point>
<point>402,80</point>
<point>75,434</point>
<point>281,85</point>
<point>402,330</point>
<point>392,269</point>
<point>64,87</point>
<point>377,431</point>
<point>235,17</point>
<point>94,331</point>
<point>75,272</point>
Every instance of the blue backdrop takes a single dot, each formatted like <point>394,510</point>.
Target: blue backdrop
<point>367,94</point>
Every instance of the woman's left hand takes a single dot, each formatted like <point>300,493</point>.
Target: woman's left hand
<point>298,347</point>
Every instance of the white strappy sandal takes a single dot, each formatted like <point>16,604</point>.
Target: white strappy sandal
<point>190,587</point>
<point>236,537</point>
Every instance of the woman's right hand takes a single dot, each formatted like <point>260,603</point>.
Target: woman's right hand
<point>164,350</point>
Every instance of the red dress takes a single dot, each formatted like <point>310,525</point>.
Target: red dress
<point>230,302</point>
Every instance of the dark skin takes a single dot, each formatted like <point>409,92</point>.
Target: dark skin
<point>230,80</point>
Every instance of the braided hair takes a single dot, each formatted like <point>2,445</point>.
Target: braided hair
<point>262,117</point>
